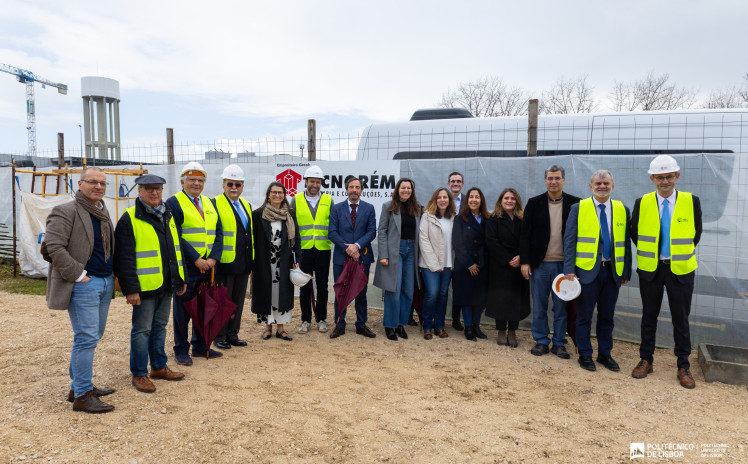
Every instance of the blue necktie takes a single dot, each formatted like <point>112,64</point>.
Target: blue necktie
<point>665,229</point>
<point>604,230</point>
<point>243,216</point>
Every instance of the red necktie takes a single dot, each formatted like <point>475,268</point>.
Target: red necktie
<point>353,214</point>
<point>197,205</point>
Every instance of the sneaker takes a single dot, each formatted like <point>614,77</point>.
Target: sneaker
<point>304,327</point>
<point>322,326</point>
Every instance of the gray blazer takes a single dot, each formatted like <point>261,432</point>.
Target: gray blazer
<point>388,244</point>
<point>69,239</point>
<point>570,251</point>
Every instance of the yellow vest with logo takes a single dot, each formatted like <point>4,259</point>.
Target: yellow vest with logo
<point>198,232</point>
<point>313,230</point>
<point>148,264</point>
<point>588,234</point>
<point>230,227</point>
<point>682,234</point>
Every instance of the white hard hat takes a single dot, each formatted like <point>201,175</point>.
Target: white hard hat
<point>663,164</point>
<point>314,171</point>
<point>193,166</point>
<point>299,277</point>
<point>567,290</point>
<point>232,172</point>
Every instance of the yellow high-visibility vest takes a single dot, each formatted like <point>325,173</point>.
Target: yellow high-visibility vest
<point>313,230</point>
<point>682,234</point>
<point>588,234</point>
<point>229,227</point>
<point>198,232</point>
<point>148,265</point>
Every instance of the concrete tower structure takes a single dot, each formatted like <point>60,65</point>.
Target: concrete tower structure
<point>101,117</point>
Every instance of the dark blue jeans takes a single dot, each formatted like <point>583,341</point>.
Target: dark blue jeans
<point>435,299</point>
<point>540,289</point>
<point>397,304</point>
<point>471,314</point>
<point>148,334</point>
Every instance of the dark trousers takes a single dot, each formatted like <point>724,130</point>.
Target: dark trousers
<point>603,293</point>
<point>502,325</point>
<point>182,319</point>
<point>679,293</point>
<point>316,262</point>
<point>237,290</point>
<point>361,303</point>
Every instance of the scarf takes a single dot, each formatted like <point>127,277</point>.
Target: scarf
<point>158,211</point>
<point>272,214</point>
<point>102,214</point>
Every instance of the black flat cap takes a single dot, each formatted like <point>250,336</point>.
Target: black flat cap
<point>150,179</point>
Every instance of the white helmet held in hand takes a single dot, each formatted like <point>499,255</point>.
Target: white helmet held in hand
<point>663,164</point>
<point>299,277</point>
<point>314,171</point>
<point>233,172</point>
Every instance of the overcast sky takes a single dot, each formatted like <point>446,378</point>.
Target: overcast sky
<point>244,70</point>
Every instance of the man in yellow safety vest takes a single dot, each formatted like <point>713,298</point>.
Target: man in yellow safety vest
<point>313,216</point>
<point>598,253</point>
<point>148,264</point>
<point>666,227</point>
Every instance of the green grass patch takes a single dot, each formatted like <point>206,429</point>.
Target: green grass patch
<point>20,284</point>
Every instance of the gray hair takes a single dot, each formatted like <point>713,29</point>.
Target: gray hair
<point>90,168</point>
<point>555,168</point>
<point>601,174</point>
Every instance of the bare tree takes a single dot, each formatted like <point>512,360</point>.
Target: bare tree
<point>730,97</point>
<point>651,93</point>
<point>487,97</point>
<point>744,90</point>
<point>569,96</point>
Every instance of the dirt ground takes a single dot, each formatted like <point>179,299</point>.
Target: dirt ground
<point>352,399</point>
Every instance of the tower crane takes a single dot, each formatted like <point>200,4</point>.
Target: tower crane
<point>28,78</point>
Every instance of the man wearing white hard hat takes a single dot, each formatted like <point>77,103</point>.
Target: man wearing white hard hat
<point>666,227</point>
<point>201,241</point>
<point>597,251</point>
<point>238,250</point>
<point>313,216</point>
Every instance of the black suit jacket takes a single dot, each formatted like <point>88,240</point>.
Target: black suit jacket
<point>536,227</point>
<point>634,234</point>
<point>242,263</point>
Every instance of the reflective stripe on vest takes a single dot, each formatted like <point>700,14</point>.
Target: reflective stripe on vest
<point>682,234</point>
<point>588,234</point>
<point>313,230</point>
<point>229,227</point>
<point>148,265</point>
<point>198,232</point>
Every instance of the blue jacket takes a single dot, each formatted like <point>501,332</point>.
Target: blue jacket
<point>341,231</point>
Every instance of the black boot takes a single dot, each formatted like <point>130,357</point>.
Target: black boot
<point>469,333</point>
<point>478,332</point>
<point>390,333</point>
<point>400,331</point>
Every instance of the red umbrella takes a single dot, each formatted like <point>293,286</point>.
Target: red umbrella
<point>349,284</point>
<point>210,310</point>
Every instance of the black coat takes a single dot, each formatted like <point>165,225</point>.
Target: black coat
<point>508,292</point>
<point>124,254</point>
<point>262,281</point>
<point>242,263</point>
<point>536,228</point>
<point>468,238</point>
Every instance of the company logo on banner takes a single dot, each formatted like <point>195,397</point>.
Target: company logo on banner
<point>378,179</point>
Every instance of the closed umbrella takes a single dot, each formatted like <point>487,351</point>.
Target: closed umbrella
<point>349,284</point>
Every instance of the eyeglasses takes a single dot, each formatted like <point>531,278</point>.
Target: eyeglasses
<point>276,193</point>
<point>455,181</point>
<point>234,184</point>
<point>554,179</point>
<point>152,188</point>
<point>103,183</point>
<point>669,177</point>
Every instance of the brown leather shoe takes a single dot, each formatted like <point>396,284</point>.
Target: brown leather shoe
<point>512,339</point>
<point>428,335</point>
<point>91,404</point>
<point>143,384</point>
<point>685,378</point>
<point>166,374</point>
<point>642,370</point>
<point>442,333</point>
<point>97,391</point>
<point>502,340</point>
